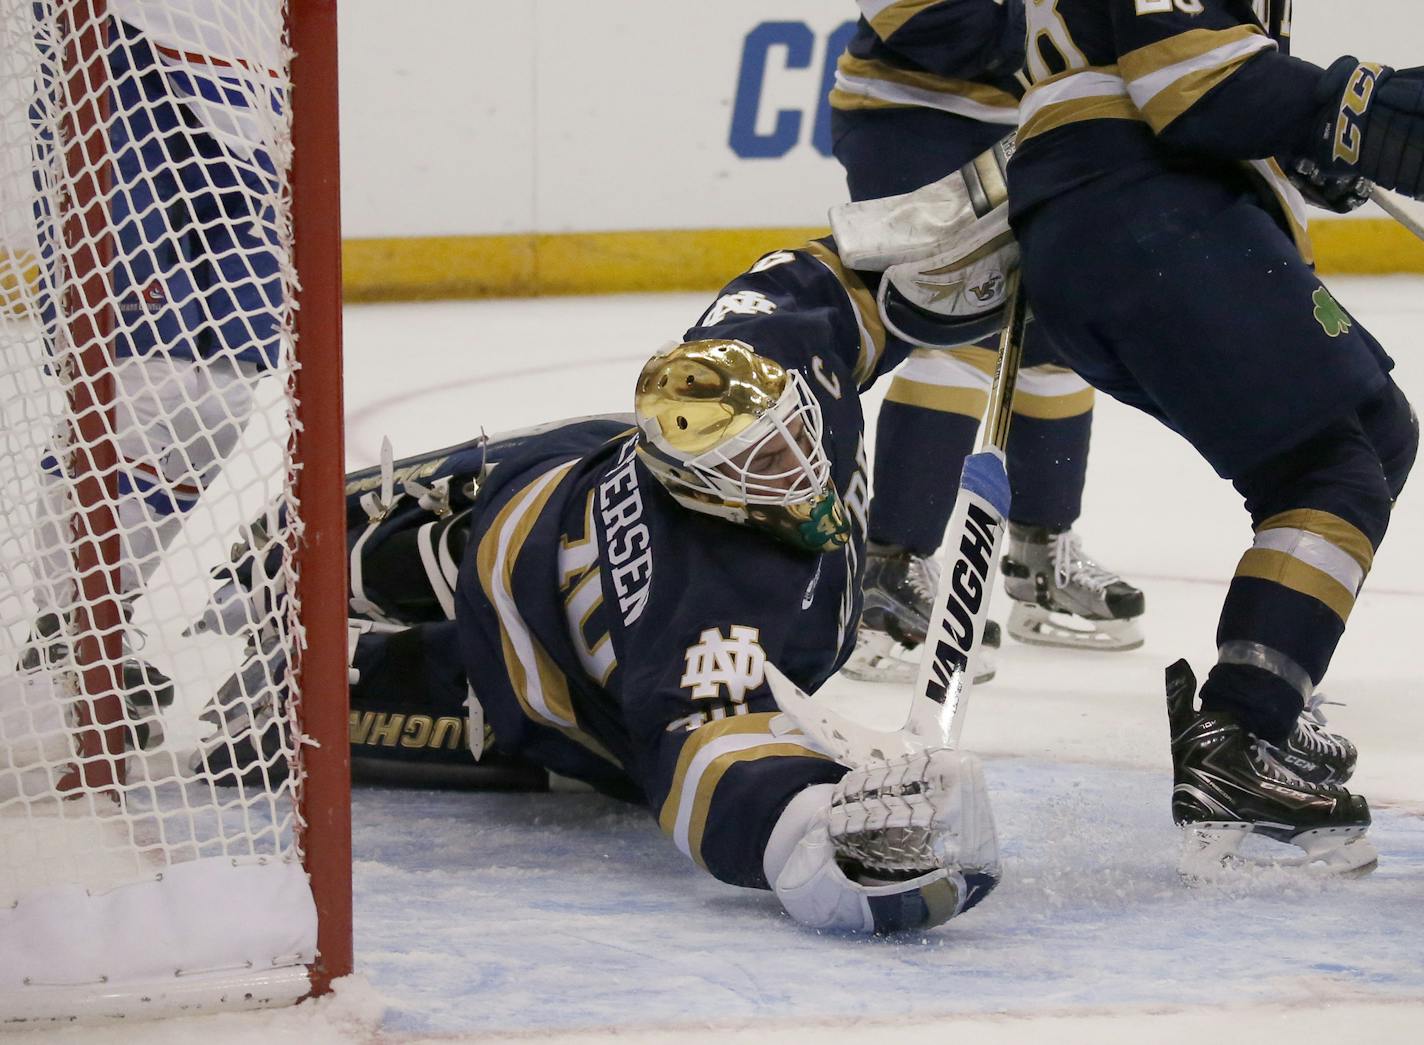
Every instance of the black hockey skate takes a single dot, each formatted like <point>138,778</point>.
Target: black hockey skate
<point>145,689</point>
<point>1226,785</point>
<point>1312,752</point>
<point>899,589</point>
<point>1064,598</point>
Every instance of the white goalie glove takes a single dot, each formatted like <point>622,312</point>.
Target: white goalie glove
<point>946,250</point>
<point>957,296</point>
<point>875,235</point>
<point>893,846</point>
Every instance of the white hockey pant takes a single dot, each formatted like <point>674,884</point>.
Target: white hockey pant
<point>176,420</point>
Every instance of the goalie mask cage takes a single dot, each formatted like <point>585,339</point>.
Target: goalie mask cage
<point>169,373</point>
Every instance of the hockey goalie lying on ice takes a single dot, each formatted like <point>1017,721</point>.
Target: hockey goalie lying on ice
<point>613,588</point>
<point>616,588</point>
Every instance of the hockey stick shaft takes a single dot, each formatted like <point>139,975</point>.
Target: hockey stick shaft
<point>1006,370</point>
<point>973,537</point>
<point>971,554</point>
<point>1400,209</point>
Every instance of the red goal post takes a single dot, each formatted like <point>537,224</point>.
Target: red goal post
<point>170,371</point>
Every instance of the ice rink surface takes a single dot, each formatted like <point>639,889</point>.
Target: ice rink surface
<point>566,916</point>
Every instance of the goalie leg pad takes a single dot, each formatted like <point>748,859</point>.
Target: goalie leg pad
<point>414,568</point>
<point>414,720</point>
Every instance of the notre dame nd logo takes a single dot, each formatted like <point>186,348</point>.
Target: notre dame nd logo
<point>742,303</point>
<point>725,666</point>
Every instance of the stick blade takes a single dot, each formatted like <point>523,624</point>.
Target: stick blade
<point>844,740</point>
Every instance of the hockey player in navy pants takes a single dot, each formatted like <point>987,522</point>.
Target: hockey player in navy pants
<point>1156,193</point>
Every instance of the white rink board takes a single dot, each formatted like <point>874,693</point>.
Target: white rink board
<point>567,116</point>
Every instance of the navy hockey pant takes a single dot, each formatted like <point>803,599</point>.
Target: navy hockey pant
<point>1182,296</point>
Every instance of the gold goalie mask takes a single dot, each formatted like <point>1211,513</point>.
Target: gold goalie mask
<point>732,433</point>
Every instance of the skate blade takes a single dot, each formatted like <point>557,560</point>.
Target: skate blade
<point>1343,851</point>
<point>1211,852</point>
<point>879,658</point>
<point>1037,626</point>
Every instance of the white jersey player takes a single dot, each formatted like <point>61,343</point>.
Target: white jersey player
<point>194,147</point>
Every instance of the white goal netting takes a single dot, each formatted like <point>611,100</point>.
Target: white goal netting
<point>150,829</point>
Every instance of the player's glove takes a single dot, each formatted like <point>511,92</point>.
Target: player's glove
<point>894,846</point>
<point>1372,124</point>
<point>1341,193</point>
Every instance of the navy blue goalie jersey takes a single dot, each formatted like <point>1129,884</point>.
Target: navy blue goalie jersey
<point>617,637</point>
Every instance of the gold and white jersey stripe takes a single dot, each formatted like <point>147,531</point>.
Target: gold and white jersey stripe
<point>1094,93</point>
<point>1051,393</point>
<point>706,756</point>
<point>867,84</point>
<point>539,685</point>
<point>1167,78</point>
<point>953,382</point>
<point>867,312</point>
<point>1155,84</point>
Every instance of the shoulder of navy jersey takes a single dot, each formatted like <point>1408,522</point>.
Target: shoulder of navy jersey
<point>951,37</point>
<point>1123,85</point>
<point>806,310</point>
<point>1140,60</point>
<point>960,56</point>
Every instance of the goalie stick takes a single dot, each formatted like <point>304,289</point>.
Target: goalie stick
<point>971,551</point>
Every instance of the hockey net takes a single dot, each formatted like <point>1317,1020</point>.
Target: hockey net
<point>158,395</point>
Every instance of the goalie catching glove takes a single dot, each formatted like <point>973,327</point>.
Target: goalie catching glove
<point>1372,124</point>
<point>894,846</point>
